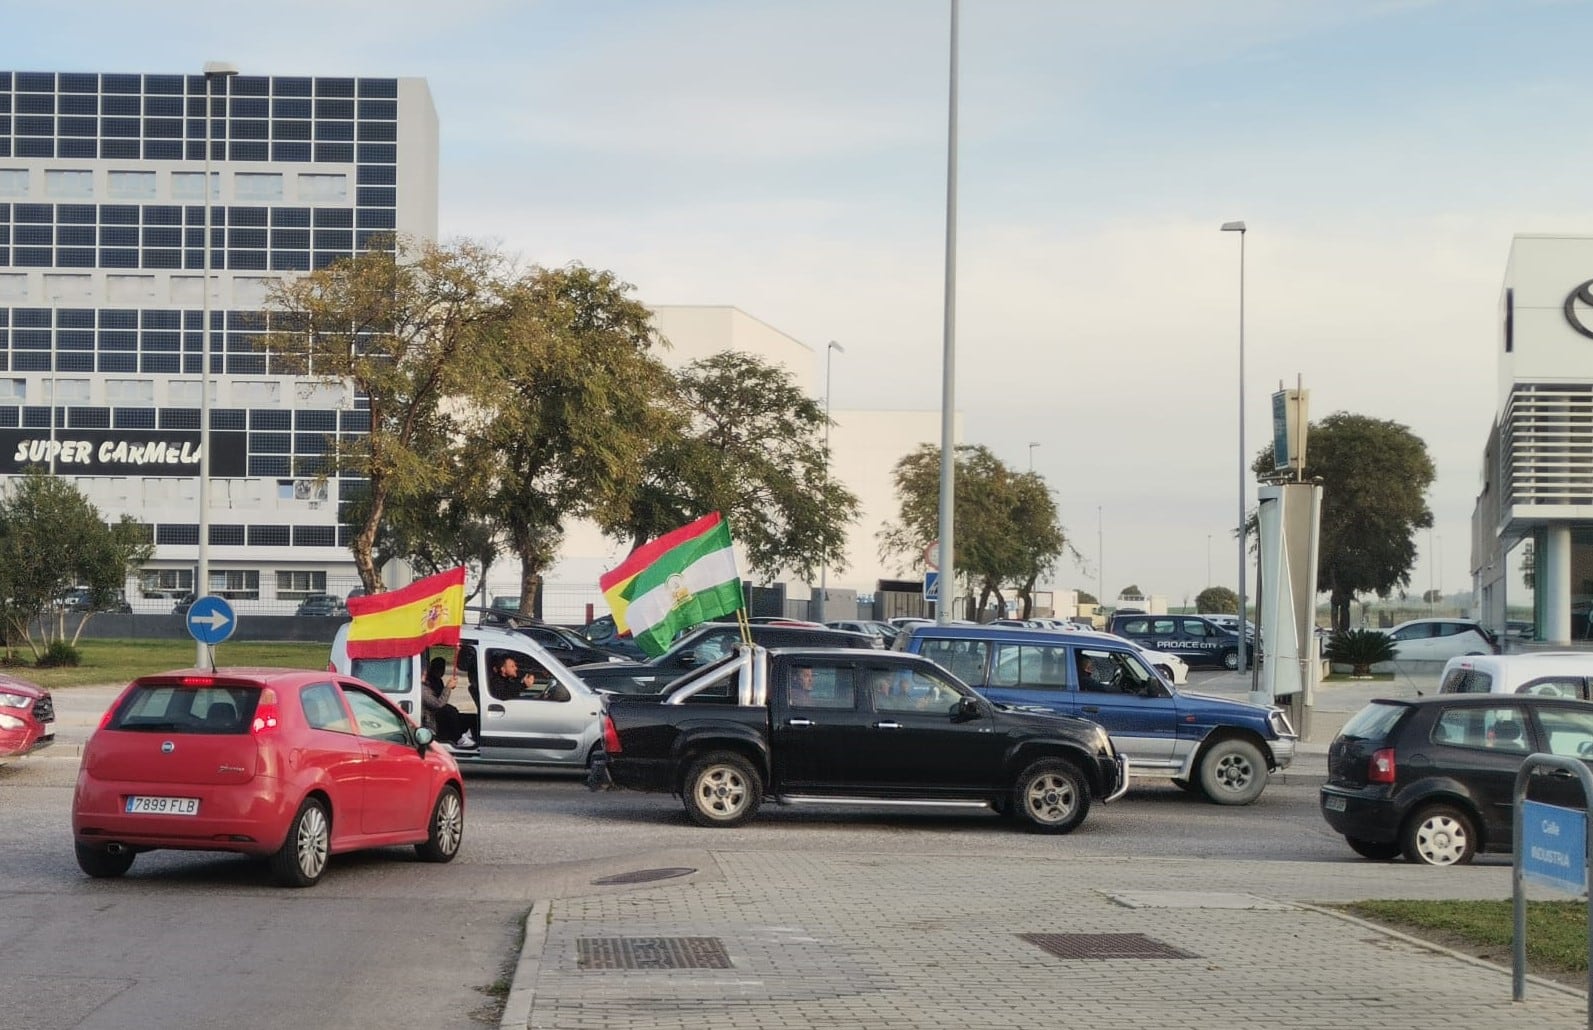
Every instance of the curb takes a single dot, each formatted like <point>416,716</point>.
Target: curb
<point>1505,971</point>
<point>522,989</point>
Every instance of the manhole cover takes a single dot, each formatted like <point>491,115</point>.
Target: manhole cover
<point>643,876</point>
<point>651,953</point>
<point>1103,945</point>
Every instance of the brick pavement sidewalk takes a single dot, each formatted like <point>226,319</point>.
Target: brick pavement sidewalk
<point>875,940</point>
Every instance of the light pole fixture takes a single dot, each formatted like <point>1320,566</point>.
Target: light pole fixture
<point>1032,446</point>
<point>213,70</point>
<point>824,551</point>
<point>1239,227</point>
<point>948,370</point>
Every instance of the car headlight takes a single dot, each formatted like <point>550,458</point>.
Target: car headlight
<point>15,701</point>
<point>1280,723</point>
<point>11,722</point>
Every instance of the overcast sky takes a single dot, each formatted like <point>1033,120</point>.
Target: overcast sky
<point>789,158</point>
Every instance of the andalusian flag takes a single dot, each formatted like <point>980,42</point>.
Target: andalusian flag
<point>403,622</point>
<point>673,583</point>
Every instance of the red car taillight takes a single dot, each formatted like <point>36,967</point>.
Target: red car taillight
<point>266,713</point>
<point>611,741</point>
<point>1380,769</point>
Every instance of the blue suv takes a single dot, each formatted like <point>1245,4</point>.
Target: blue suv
<point>1221,748</point>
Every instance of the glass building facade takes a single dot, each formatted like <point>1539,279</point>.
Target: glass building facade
<point>102,299</point>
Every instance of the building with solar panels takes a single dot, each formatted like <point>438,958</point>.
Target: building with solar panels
<point>102,302</point>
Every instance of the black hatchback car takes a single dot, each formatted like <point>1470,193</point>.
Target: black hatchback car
<point>1433,778</point>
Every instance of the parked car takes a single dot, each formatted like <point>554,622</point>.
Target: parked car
<point>183,603</point>
<point>289,765</point>
<point>1438,640</point>
<point>1433,778</point>
<point>873,627</point>
<point>602,632</point>
<point>551,724</point>
<point>1218,747</point>
<point>323,605</point>
<point>27,718</point>
<point>704,645</point>
<point>1194,638</point>
<point>1230,623</point>
<point>825,726</point>
<point>81,599</point>
<point>570,647</point>
<point>1557,673</point>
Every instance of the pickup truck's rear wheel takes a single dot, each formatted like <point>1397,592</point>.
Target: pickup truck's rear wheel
<point>722,789</point>
<point>1051,796</point>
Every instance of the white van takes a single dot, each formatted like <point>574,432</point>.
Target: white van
<point>554,724</point>
<point>1556,673</point>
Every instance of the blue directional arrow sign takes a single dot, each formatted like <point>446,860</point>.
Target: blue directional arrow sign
<point>211,620</point>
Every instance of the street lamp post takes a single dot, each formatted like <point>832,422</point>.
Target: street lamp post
<point>1239,227</point>
<point>824,555</point>
<point>1032,446</point>
<point>948,371</point>
<point>213,70</point>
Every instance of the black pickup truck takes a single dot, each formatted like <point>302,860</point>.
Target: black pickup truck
<point>833,726</point>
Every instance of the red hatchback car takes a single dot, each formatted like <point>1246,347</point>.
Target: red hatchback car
<point>286,764</point>
<point>27,718</point>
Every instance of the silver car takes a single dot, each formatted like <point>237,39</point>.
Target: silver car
<point>552,722</point>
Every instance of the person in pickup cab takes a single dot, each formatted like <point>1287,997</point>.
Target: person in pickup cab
<point>802,687</point>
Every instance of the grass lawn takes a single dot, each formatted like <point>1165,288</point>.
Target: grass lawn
<point>1556,930</point>
<point>118,661</point>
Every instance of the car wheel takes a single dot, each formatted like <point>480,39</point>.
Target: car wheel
<point>1230,660</point>
<point>1376,850</point>
<point>447,827</point>
<point>301,859</point>
<point>1051,797</point>
<point>1439,835</point>
<point>594,756</point>
<point>102,864</point>
<point>1232,772</point>
<point>722,789</point>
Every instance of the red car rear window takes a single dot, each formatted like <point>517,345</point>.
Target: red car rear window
<point>169,708</point>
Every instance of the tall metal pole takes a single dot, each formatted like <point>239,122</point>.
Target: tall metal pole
<point>1100,551</point>
<point>1239,227</point>
<point>948,392</point>
<point>213,70</point>
<point>824,557</point>
<point>1032,446</point>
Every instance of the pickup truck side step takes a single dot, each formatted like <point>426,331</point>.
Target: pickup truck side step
<point>804,799</point>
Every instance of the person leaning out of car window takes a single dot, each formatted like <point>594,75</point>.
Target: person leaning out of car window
<point>437,714</point>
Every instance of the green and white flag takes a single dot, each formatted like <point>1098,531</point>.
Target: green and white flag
<point>673,583</point>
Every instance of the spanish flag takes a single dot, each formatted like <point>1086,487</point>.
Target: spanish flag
<point>403,622</point>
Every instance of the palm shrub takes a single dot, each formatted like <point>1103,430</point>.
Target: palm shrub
<point>1360,649</point>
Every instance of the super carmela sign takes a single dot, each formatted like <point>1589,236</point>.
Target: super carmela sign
<point>121,452</point>
<point>84,452</point>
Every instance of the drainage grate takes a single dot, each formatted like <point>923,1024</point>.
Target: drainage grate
<point>643,876</point>
<point>1104,945</point>
<point>651,953</point>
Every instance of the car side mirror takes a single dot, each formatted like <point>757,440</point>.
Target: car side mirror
<point>967,708</point>
<point>423,739</point>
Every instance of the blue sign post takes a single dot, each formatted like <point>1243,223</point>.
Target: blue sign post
<point>211,620</point>
<point>1552,848</point>
<point>931,585</point>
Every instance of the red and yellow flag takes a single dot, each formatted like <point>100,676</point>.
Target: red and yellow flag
<point>409,620</point>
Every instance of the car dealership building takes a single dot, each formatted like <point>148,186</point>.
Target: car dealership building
<point>1537,467</point>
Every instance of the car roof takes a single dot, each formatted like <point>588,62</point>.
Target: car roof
<point>262,675</point>
<point>954,631</point>
<point>1480,700</point>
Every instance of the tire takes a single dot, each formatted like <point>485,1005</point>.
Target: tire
<point>101,864</point>
<point>594,756</point>
<point>1376,850</point>
<point>302,858</point>
<point>447,827</point>
<point>1439,835</point>
<point>1230,661</point>
<point>722,789</point>
<point>1051,796</point>
<point>1233,772</point>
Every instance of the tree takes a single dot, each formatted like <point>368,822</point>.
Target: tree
<point>1006,522</point>
<point>407,329</point>
<point>1433,596</point>
<point>1375,474</point>
<point>1217,601</point>
<point>575,404</point>
<point>52,539</point>
<point>1132,590</point>
<point>1085,597</point>
<point>752,448</point>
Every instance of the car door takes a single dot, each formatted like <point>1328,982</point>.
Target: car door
<point>820,728</point>
<point>1482,747</point>
<point>1568,732</point>
<point>549,722</point>
<point>919,745</point>
<point>1414,642</point>
<point>1117,690</point>
<point>397,780</point>
<point>333,755</point>
<point>1030,675</point>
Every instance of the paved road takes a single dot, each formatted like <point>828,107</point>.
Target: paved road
<point>385,941</point>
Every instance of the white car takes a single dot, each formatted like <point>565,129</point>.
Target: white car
<point>1556,673</point>
<point>1438,640</point>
